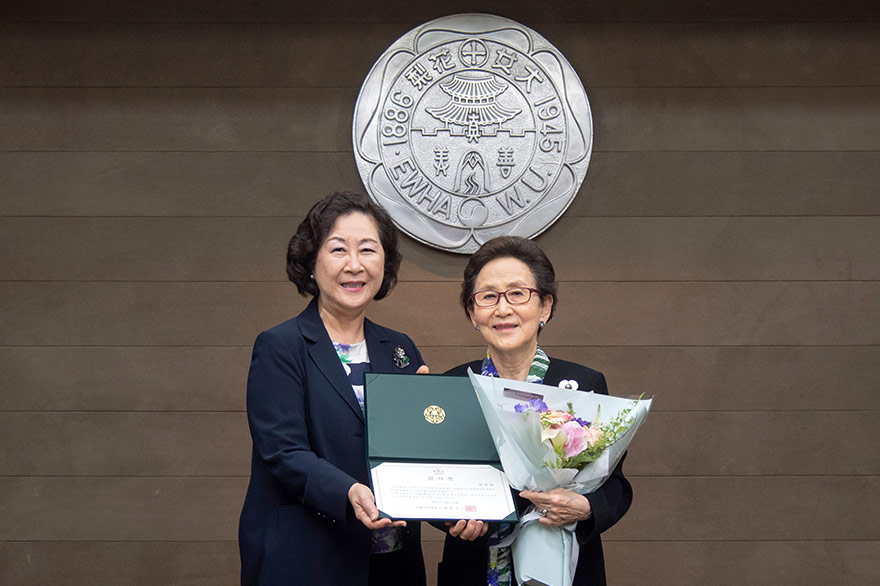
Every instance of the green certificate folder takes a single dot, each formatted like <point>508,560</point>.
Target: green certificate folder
<point>430,430</point>
<point>397,428</point>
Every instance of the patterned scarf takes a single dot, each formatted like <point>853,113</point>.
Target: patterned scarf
<point>499,573</point>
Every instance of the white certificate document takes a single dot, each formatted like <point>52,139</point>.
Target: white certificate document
<point>441,491</point>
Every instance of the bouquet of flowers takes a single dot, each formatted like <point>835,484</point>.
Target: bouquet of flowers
<point>545,441</point>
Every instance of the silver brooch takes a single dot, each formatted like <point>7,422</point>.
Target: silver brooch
<point>401,360</point>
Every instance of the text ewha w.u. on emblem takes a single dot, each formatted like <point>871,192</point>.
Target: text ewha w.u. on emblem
<point>469,127</point>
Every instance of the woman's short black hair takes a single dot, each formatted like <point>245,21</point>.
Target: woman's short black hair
<point>516,247</point>
<point>313,230</point>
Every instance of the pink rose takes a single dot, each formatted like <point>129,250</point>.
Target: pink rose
<point>576,438</point>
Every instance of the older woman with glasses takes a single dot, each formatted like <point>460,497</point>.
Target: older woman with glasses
<point>509,294</point>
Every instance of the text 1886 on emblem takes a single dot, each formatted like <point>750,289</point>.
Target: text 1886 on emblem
<point>470,127</point>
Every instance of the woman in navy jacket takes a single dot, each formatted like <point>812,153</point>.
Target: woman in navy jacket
<point>509,294</point>
<point>309,517</point>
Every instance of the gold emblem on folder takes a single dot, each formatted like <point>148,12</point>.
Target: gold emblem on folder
<point>434,414</point>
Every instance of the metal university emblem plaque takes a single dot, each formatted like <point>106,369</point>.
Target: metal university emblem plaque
<point>469,127</point>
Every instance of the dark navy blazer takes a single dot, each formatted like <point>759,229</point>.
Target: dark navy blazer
<point>297,526</point>
<point>465,562</point>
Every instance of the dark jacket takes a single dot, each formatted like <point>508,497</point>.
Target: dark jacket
<point>465,562</point>
<point>297,526</point>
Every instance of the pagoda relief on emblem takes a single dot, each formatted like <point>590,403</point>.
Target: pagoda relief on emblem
<point>470,127</point>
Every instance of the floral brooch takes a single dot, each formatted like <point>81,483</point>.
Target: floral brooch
<point>401,360</point>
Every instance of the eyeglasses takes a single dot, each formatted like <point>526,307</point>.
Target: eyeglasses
<point>515,296</point>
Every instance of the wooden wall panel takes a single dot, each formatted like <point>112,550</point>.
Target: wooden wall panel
<point>142,313</point>
<point>87,563</point>
<point>676,184</point>
<point>665,509</point>
<point>751,443</point>
<point>764,563</point>
<point>116,378</point>
<point>261,119</point>
<point>276,54</point>
<point>760,563</point>
<point>124,444</point>
<point>176,119</point>
<point>55,508</point>
<point>730,184</point>
<point>171,184</point>
<point>146,249</point>
<point>744,508</point>
<point>301,119</point>
<point>616,314</point>
<point>174,54</point>
<point>714,249</point>
<point>738,378</point>
<point>606,249</point>
<point>740,443</point>
<point>711,119</point>
<point>402,10</point>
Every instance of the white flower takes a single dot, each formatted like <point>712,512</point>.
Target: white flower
<point>569,384</point>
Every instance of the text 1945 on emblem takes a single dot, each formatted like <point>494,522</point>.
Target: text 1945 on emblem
<point>469,127</point>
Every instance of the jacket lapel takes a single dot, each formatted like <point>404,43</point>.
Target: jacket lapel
<point>324,356</point>
<point>379,348</point>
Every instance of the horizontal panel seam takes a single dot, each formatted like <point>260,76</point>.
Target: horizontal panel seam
<point>569,216</point>
<point>444,281</point>
<point>348,153</point>
<point>643,476</point>
<point>351,87</point>
<point>604,539</point>
<point>132,476</point>
<point>239,411</point>
<point>600,21</point>
<point>457,347</point>
<point>612,540</point>
<point>317,151</point>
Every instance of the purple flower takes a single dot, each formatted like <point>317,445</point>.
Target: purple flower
<point>538,405</point>
<point>533,405</point>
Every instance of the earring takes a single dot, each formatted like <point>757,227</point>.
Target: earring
<point>541,324</point>
<point>477,328</point>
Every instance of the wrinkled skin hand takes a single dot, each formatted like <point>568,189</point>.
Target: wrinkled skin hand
<point>562,506</point>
